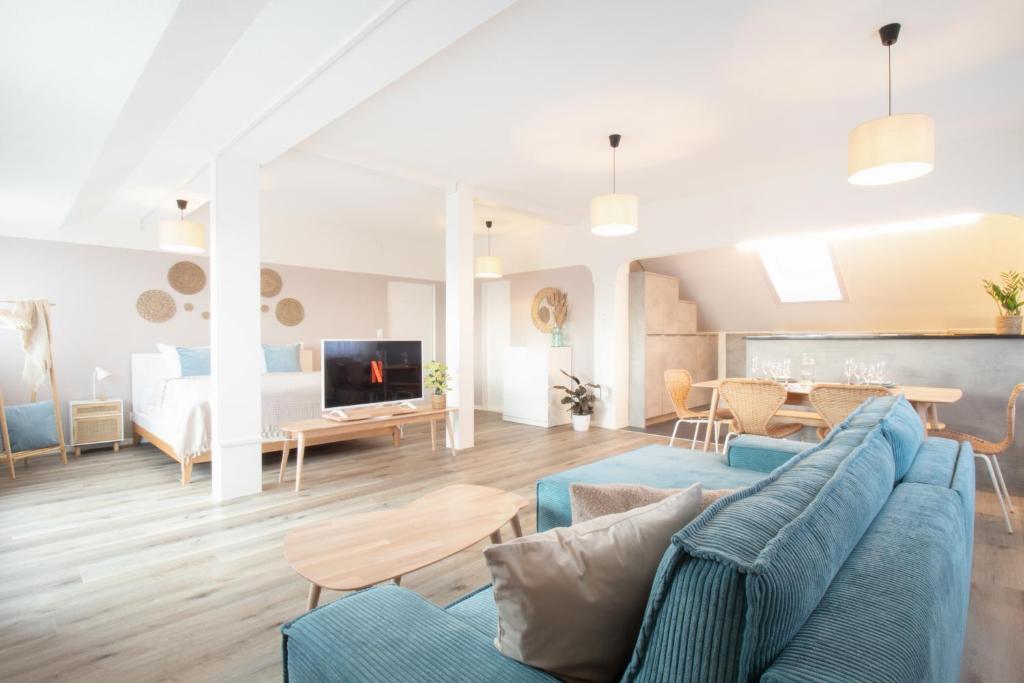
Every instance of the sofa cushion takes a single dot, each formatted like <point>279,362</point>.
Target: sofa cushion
<point>762,453</point>
<point>477,609</point>
<point>741,579</point>
<point>900,424</point>
<point>570,600</point>
<point>935,462</point>
<point>897,608</point>
<point>658,466</point>
<point>392,634</point>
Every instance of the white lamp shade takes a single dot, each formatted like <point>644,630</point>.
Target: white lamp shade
<point>101,374</point>
<point>891,149</point>
<point>183,237</point>
<point>488,267</point>
<point>613,214</point>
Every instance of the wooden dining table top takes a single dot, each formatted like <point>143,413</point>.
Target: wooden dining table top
<point>913,394</point>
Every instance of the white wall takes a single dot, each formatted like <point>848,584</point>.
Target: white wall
<point>95,321</point>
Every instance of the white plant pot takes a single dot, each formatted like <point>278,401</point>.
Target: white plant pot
<point>580,423</point>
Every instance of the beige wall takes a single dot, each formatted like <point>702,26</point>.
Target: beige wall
<point>578,283</point>
<point>911,281</point>
<point>95,322</point>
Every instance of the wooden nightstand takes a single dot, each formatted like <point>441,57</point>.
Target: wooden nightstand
<point>96,421</point>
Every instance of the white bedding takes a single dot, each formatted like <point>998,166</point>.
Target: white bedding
<point>180,408</point>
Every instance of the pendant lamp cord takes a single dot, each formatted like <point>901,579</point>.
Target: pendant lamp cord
<point>613,170</point>
<point>889,50</point>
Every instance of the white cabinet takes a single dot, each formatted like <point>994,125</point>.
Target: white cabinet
<point>530,372</point>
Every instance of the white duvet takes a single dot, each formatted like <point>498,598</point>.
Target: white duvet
<point>182,406</point>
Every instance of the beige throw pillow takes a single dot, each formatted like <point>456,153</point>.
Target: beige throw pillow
<point>571,600</point>
<point>596,500</point>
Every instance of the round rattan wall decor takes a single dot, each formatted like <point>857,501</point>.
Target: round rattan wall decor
<point>290,312</point>
<point>186,277</point>
<point>188,307</point>
<point>549,309</point>
<point>156,306</point>
<point>264,308</point>
<point>206,315</point>
<point>270,282</point>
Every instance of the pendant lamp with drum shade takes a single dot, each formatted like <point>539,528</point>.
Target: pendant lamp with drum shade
<point>182,236</point>
<point>615,214</point>
<point>488,267</point>
<point>894,148</point>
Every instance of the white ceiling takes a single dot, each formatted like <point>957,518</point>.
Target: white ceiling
<point>113,109</point>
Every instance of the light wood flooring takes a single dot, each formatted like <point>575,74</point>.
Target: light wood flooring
<point>112,571</point>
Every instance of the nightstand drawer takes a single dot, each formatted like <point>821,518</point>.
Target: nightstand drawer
<point>86,430</point>
<point>92,408</point>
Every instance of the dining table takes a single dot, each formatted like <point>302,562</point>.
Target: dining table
<point>925,400</point>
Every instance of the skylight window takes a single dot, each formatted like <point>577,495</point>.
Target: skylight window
<point>801,270</point>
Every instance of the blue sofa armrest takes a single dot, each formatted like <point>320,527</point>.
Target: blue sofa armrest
<point>762,453</point>
<point>392,634</point>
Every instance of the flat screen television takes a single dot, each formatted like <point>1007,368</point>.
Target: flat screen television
<point>360,372</point>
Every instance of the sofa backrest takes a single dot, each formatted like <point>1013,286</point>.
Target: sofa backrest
<point>740,580</point>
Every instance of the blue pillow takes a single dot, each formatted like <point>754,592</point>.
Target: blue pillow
<point>31,426</point>
<point>282,358</point>
<point>195,361</point>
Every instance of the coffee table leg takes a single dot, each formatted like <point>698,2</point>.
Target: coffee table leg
<point>300,455</point>
<point>284,461</point>
<point>396,436</point>
<point>517,527</point>
<point>314,596</point>
<point>398,580</point>
<point>496,536</point>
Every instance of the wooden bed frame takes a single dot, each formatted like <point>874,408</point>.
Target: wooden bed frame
<point>142,363</point>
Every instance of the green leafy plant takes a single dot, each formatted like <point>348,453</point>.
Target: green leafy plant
<point>1009,296</point>
<point>437,378</point>
<point>578,395</point>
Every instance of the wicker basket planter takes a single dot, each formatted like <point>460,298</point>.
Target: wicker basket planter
<point>1009,324</point>
<point>438,401</point>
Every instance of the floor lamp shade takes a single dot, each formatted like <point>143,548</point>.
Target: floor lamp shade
<point>182,237</point>
<point>891,149</point>
<point>488,267</point>
<point>613,214</point>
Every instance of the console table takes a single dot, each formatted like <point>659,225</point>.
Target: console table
<point>323,430</point>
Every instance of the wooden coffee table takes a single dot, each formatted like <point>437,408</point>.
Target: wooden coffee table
<point>359,551</point>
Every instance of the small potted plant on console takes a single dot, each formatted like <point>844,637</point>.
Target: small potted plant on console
<point>1009,299</point>
<point>580,398</point>
<point>437,381</point>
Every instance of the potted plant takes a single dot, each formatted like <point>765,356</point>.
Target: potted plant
<point>1009,298</point>
<point>580,399</point>
<point>437,381</point>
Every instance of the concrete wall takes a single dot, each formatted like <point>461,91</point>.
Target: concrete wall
<point>984,369</point>
<point>95,321</point>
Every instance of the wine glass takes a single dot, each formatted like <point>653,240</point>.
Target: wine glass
<point>849,367</point>
<point>755,366</point>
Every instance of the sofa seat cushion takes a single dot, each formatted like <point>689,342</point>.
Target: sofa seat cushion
<point>762,453</point>
<point>896,610</point>
<point>392,634</point>
<point>658,466</point>
<point>935,463</point>
<point>477,609</point>
<point>741,579</point>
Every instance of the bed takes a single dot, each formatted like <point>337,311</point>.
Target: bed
<point>174,414</point>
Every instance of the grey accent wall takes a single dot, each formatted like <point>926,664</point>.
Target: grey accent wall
<point>95,321</point>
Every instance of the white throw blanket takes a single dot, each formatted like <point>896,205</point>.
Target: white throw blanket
<point>185,407</point>
<point>32,319</point>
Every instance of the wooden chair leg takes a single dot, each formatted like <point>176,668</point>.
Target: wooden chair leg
<point>496,536</point>
<point>517,526</point>
<point>314,596</point>
<point>10,466</point>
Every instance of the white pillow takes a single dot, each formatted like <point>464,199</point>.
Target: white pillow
<point>172,362</point>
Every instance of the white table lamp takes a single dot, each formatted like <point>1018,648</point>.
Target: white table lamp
<point>98,375</point>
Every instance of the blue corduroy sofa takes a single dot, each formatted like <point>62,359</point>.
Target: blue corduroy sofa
<point>849,561</point>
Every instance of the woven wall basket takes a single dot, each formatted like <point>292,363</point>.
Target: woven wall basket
<point>270,282</point>
<point>186,277</point>
<point>156,306</point>
<point>290,312</point>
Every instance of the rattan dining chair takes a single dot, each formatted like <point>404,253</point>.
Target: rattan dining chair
<point>835,402</point>
<point>678,384</point>
<point>989,451</point>
<point>754,403</point>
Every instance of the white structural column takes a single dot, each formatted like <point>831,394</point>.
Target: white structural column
<point>458,252</point>
<point>234,241</point>
<point>611,344</point>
